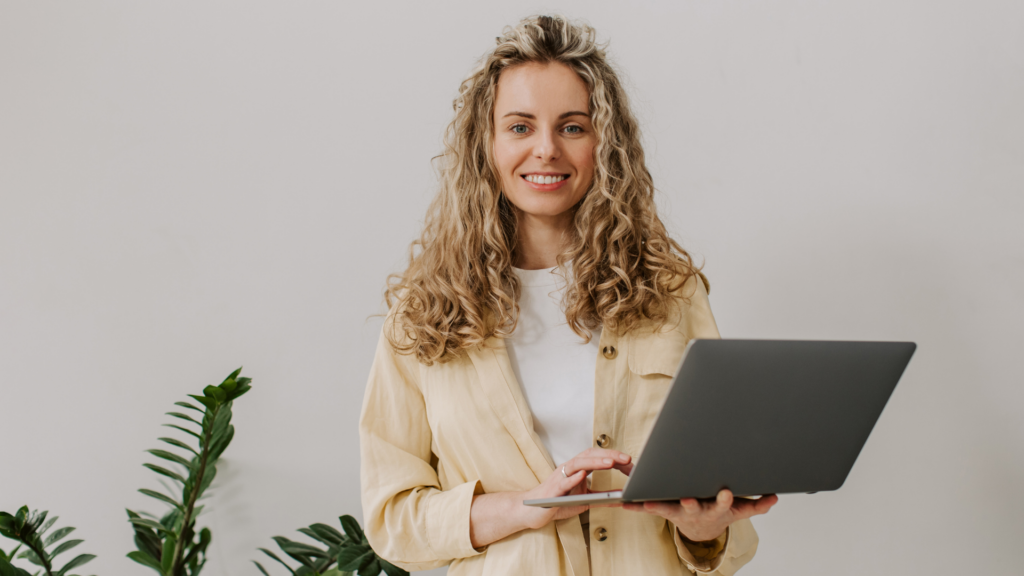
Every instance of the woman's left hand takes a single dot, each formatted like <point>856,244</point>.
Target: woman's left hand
<point>702,521</point>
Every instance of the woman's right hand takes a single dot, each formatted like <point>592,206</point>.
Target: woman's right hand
<point>573,482</point>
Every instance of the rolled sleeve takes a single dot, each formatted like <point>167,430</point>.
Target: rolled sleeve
<point>448,521</point>
<point>721,557</point>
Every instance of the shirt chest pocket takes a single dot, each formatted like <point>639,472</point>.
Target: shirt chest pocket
<point>652,359</point>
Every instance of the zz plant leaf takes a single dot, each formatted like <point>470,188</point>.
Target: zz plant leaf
<point>29,530</point>
<point>338,554</point>
<point>170,544</point>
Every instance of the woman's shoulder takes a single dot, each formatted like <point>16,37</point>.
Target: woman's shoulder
<point>688,310</point>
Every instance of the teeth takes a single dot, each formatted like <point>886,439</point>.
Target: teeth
<point>537,179</point>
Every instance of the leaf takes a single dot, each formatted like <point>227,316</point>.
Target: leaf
<point>57,535</point>
<point>390,569</point>
<point>167,556</point>
<point>148,524</point>
<point>296,550</point>
<point>185,430</point>
<point>369,560</point>
<point>327,534</point>
<point>372,568</point>
<point>242,389</point>
<point>204,542</point>
<point>30,555</point>
<point>274,556</point>
<point>46,526</point>
<point>184,417</point>
<point>234,375</point>
<point>7,569</point>
<point>189,406</point>
<point>171,457</point>
<point>179,444</point>
<point>260,566</point>
<point>161,497</point>
<point>210,403</point>
<point>37,521</point>
<point>208,477</point>
<point>352,529</point>
<point>352,558</point>
<point>336,572</point>
<point>165,472</point>
<point>146,560</point>
<point>65,546</point>
<point>312,534</point>
<point>76,562</point>
<point>215,393</point>
<point>147,541</point>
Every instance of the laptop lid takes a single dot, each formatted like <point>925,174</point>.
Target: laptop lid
<point>766,417</point>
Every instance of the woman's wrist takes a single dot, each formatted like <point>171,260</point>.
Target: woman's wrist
<point>708,542</point>
<point>496,515</point>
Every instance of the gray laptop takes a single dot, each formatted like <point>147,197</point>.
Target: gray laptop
<point>760,417</point>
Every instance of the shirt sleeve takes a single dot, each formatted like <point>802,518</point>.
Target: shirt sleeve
<point>720,557</point>
<point>409,520</point>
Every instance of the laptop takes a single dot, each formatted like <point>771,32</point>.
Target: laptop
<point>760,417</point>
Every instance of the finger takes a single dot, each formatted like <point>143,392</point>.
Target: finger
<point>663,509</point>
<point>724,501</point>
<point>625,468</point>
<point>569,511</point>
<point>565,485</point>
<point>588,463</point>
<point>745,507</point>
<point>690,505</point>
<point>605,453</point>
<point>765,503</point>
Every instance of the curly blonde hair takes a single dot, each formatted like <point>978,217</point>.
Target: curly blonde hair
<point>460,289</point>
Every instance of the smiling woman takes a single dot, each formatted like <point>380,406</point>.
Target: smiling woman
<point>543,151</point>
<point>507,366</point>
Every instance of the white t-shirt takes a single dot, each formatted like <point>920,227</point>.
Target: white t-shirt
<point>554,367</point>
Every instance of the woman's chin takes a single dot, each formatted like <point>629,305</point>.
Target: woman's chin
<point>545,204</point>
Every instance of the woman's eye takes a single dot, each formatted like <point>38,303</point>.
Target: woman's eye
<point>516,128</point>
<point>574,129</point>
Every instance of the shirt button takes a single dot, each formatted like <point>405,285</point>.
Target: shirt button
<point>601,534</point>
<point>609,352</point>
<point>604,440</point>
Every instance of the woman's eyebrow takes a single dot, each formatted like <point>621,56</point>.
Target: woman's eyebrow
<point>532,117</point>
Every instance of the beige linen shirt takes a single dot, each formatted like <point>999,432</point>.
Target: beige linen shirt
<point>431,437</point>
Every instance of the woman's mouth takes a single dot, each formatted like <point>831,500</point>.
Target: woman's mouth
<point>542,182</point>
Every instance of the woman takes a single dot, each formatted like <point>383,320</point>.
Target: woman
<point>530,342</point>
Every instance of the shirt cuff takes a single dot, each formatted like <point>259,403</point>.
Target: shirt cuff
<point>448,521</point>
<point>701,556</point>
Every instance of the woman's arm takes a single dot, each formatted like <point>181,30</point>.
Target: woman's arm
<point>495,516</point>
<point>409,520</point>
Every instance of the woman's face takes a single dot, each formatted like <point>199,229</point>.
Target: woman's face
<point>543,138</point>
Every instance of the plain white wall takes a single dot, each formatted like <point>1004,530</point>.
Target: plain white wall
<point>188,187</point>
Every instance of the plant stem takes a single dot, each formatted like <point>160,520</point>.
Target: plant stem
<point>41,554</point>
<point>179,544</point>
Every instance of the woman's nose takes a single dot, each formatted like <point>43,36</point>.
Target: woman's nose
<point>546,148</point>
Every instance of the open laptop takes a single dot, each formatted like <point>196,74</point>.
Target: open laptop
<point>760,417</point>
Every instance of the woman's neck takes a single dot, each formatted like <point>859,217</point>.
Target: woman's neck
<point>540,239</point>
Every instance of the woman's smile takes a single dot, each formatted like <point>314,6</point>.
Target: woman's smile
<point>545,181</point>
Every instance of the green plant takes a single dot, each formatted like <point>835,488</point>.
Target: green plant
<point>29,529</point>
<point>345,553</point>
<point>169,544</point>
